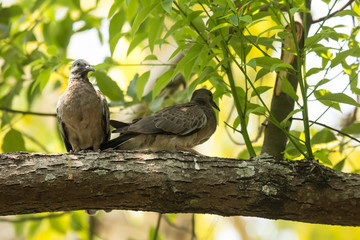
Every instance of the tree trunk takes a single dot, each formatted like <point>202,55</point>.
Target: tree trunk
<point>178,183</point>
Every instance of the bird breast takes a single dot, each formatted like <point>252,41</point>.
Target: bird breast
<point>82,115</point>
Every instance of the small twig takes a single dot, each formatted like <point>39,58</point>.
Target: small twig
<point>332,14</point>
<point>145,64</point>
<point>27,112</point>
<point>331,128</point>
<point>193,234</point>
<point>261,128</point>
<point>157,227</point>
<point>32,218</point>
<point>175,226</point>
<point>34,141</point>
<point>91,230</point>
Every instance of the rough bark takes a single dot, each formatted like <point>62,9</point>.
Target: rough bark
<point>282,104</point>
<point>178,183</point>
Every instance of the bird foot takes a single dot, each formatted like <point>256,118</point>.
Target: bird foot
<point>182,148</point>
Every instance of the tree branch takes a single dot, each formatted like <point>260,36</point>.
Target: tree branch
<point>331,128</point>
<point>28,112</point>
<point>178,182</point>
<point>332,14</point>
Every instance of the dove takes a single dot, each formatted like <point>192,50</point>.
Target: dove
<point>82,112</point>
<point>177,127</point>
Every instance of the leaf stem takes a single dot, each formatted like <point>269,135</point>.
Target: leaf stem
<point>303,89</point>
<point>237,103</point>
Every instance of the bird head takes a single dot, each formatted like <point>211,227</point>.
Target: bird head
<point>80,68</point>
<point>204,96</point>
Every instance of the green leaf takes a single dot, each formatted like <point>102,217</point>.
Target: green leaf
<point>292,150</point>
<point>313,71</point>
<point>175,52</point>
<point>136,41</point>
<point>155,32</point>
<point>261,73</point>
<point>281,67</point>
<point>114,7</point>
<point>140,84</point>
<point>321,82</point>
<point>347,12</point>
<point>322,155</point>
<point>246,19</point>
<point>155,105</point>
<point>173,29</point>
<point>76,222</point>
<point>339,98</point>
<point>320,93</point>
<point>310,41</point>
<point>114,41</point>
<point>252,64</point>
<point>340,165</point>
<point>76,3</point>
<point>13,142</point>
<point>58,225</point>
<point>150,57</point>
<point>236,123</point>
<point>108,86</point>
<point>339,58</point>
<point>115,26</point>
<point>167,5</point>
<point>132,9</point>
<point>222,25</point>
<point>131,90</point>
<point>234,19</point>
<point>267,62</point>
<point>231,4</point>
<point>323,136</point>
<point>34,227</point>
<point>260,90</point>
<point>42,79</point>
<point>257,110</point>
<point>352,129</point>
<point>293,11</point>
<point>276,27</point>
<point>142,16</point>
<point>52,50</point>
<point>161,82</point>
<point>188,62</point>
<point>287,88</point>
<point>284,122</point>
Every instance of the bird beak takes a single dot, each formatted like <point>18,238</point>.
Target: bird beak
<point>214,105</point>
<point>89,68</point>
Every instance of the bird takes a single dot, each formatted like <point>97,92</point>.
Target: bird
<point>177,127</point>
<point>82,112</point>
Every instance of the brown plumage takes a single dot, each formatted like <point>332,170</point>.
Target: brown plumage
<point>178,127</point>
<point>82,112</point>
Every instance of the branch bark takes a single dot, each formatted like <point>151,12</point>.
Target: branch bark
<point>282,104</point>
<point>178,182</point>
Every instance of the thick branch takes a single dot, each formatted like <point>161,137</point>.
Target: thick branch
<point>178,183</point>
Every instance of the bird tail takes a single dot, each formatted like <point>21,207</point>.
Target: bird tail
<point>116,142</point>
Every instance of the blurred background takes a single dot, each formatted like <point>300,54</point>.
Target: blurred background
<point>39,40</point>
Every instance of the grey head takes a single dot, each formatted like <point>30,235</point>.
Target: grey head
<point>80,68</point>
<point>204,96</point>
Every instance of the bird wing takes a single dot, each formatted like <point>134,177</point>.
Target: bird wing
<point>179,119</point>
<point>63,130</point>
<point>105,116</point>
